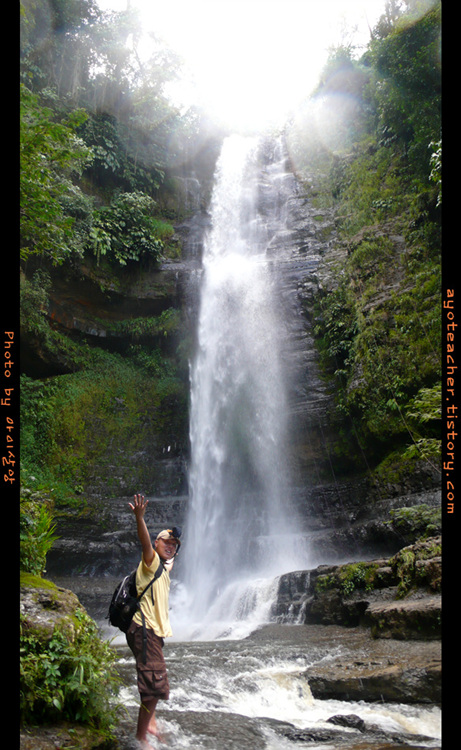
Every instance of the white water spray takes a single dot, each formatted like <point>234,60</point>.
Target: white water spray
<point>239,522</point>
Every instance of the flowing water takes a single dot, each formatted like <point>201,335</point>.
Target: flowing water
<point>233,684</point>
<point>239,528</point>
<point>252,693</point>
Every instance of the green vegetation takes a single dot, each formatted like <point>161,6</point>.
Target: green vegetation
<point>50,155</point>
<point>126,230</point>
<point>97,135</point>
<point>378,325</point>
<point>36,529</point>
<point>77,424</point>
<point>66,678</point>
<point>357,576</point>
<point>349,578</point>
<point>58,218</point>
<point>417,522</point>
<point>409,569</point>
<point>95,142</point>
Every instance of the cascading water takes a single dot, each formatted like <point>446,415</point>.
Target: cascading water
<point>237,535</point>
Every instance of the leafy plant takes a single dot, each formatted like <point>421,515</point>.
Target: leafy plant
<point>33,301</point>
<point>112,166</point>
<point>36,420</point>
<point>426,406</point>
<point>70,680</point>
<point>36,531</point>
<point>357,576</point>
<point>405,565</point>
<point>159,326</point>
<point>127,230</point>
<point>50,154</point>
<point>419,521</point>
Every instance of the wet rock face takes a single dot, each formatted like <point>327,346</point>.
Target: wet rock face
<point>381,677</point>
<point>396,598</point>
<point>418,619</point>
<point>88,549</point>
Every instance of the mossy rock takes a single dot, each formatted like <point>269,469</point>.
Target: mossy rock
<point>63,736</point>
<point>417,619</point>
<point>45,608</point>
<point>419,565</point>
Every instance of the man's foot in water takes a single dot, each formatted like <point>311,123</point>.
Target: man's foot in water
<point>153,729</point>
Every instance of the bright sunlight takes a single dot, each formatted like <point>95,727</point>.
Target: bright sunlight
<point>249,63</point>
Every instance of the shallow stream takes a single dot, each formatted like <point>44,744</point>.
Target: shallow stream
<point>251,692</point>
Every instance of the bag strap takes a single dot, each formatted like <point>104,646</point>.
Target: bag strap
<point>157,574</point>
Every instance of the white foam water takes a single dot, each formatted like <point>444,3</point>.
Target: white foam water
<point>229,694</point>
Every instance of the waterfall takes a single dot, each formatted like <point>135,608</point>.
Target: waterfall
<point>238,533</point>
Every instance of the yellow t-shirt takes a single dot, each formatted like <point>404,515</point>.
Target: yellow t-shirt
<point>156,614</point>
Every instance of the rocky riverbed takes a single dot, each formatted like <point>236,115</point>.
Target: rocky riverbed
<point>365,668</point>
<point>284,687</point>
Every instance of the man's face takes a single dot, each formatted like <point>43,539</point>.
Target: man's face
<point>166,548</point>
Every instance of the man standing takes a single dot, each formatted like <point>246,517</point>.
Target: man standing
<point>146,639</point>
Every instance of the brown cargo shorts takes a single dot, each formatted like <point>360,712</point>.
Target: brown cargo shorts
<point>152,675</point>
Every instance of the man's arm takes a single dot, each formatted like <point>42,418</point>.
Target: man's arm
<point>138,507</point>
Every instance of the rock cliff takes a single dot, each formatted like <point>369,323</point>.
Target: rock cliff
<point>347,513</point>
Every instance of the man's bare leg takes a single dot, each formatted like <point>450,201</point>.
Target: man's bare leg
<point>146,721</point>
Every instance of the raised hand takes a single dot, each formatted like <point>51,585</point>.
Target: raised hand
<point>138,506</point>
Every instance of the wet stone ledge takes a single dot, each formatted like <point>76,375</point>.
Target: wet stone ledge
<point>397,597</point>
<point>349,665</point>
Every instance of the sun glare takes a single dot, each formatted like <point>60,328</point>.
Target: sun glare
<point>249,63</point>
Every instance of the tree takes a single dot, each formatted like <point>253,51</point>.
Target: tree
<point>50,155</point>
<point>407,89</point>
<point>58,44</point>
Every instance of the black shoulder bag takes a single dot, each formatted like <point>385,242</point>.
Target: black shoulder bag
<point>126,602</point>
